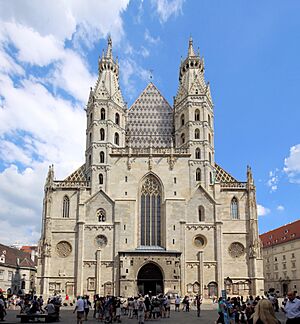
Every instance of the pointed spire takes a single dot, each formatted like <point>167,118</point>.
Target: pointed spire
<point>50,176</point>
<point>109,47</point>
<point>249,176</point>
<point>191,51</point>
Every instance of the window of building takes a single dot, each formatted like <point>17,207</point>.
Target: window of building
<point>90,160</point>
<point>283,257</point>
<point>126,178</point>
<point>198,174</point>
<point>182,138</point>
<point>234,208</point>
<point>275,267</point>
<point>208,120</point>
<point>151,212</point>
<point>275,259</point>
<point>201,214</point>
<point>102,116</point>
<point>101,178</point>
<point>197,153</point>
<point>175,179</point>
<point>66,207</point>
<point>211,178</point>
<point>101,157</point>
<point>276,276</point>
<point>101,214</point>
<point>102,134</point>
<point>197,133</point>
<point>116,138</point>
<point>293,255</point>
<point>209,138</point>
<point>197,115</point>
<point>182,119</point>
<point>293,264</point>
<point>117,119</point>
<point>10,275</point>
<point>209,157</point>
<point>1,274</point>
<point>90,138</point>
<point>284,266</point>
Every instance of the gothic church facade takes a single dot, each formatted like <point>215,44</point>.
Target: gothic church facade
<point>150,210</point>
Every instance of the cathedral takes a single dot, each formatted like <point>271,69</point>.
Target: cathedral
<point>150,211</point>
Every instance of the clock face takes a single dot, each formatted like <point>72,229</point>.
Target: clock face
<point>63,249</point>
<point>101,240</point>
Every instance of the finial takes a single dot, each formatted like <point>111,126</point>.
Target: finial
<point>151,74</point>
<point>109,47</point>
<point>191,49</point>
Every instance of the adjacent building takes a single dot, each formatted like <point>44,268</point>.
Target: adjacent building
<point>150,209</point>
<point>17,271</point>
<point>281,254</point>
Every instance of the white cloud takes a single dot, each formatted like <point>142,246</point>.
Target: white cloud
<point>292,164</point>
<point>280,208</point>
<point>273,180</point>
<point>38,126</point>
<point>167,8</point>
<point>262,211</point>
<point>149,38</point>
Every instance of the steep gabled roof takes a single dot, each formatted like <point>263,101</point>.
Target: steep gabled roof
<point>14,257</point>
<point>78,175</point>
<point>150,120</point>
<point>223,176</point>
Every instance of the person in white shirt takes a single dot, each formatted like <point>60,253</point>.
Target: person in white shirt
<point>79,307</point>
<point>292,308</point>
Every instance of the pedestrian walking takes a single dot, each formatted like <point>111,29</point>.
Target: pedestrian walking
<point>141,308</point>
<point>292,308</point>
<point>79,307</point>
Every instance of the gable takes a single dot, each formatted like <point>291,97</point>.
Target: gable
<point>150,120</point>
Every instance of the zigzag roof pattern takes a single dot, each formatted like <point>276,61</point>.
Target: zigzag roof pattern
<point>223,176</point>
<point>150,120</point>
<point>78,175</point>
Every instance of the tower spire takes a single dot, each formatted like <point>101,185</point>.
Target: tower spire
<point>191,51</point>
<point>109,48</point>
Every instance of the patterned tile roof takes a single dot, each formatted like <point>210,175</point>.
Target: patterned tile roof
<point>281,234</point>
<point>150,120</point>
<point>223,176</point>
<point>78,175</point>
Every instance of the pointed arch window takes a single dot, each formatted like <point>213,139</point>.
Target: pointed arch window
<point>198,174</point>
<point>101,157</point>
<point>197,115</point>
<point>209,120</point>
<point>117,119</point>
<point>209,138</point>
<point>90,138</point>
<point>117,138</point>
<point>234,208</point>
<point>102,134</point>
<point>101,215</point>
<point>211,178</point>
<point>90,160</point>
<point>102,114</point>
<point>201,214</point>
<point>101,178</point>
<point>197,133</point>
<point>182,119</point>
<point>66,207</point>
<point>91,117</point>
<point>197,153</point>
<point>150,225</point>
<point>182,138</point>
<point>209,157</point>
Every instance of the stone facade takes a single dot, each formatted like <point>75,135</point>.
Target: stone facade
<point>150,210</point>
<point>281,254</point>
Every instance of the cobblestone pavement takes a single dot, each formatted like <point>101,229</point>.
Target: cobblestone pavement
<point>208,316</point>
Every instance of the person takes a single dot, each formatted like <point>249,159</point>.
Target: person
<point>79,307</point>
<point>87,305</point>
<point>292,308</point>
<point>141,308</point>
<point>198,304</point>
<point>2,308</point>
<point>168,306</point>
<point>221,306</point>
<point>177,304</point>
<point>264,313</point>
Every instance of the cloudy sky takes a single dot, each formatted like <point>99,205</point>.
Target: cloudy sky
<point>48,62</point>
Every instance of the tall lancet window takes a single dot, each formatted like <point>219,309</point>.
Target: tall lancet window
<point>234,208</point>
<point>151,212</point>
<point>66,207</point>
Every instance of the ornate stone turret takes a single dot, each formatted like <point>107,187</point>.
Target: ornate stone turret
<point>106,117</point>
<point>194,117</point>
<point>50,177</point>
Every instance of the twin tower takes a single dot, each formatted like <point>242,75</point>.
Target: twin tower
<point>150,126</point>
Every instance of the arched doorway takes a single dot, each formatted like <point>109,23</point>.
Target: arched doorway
<point>150,280</point>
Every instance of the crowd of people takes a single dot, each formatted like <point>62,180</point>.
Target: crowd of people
<point>109,309</point>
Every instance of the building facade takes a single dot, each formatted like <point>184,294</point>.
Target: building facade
<point>17,271</point>
<point>150,210</point>
<point>281,254</point>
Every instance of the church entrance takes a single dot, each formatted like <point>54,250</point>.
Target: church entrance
<point>150,280</point>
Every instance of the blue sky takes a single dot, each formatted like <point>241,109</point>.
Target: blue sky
<point>48,61</point>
